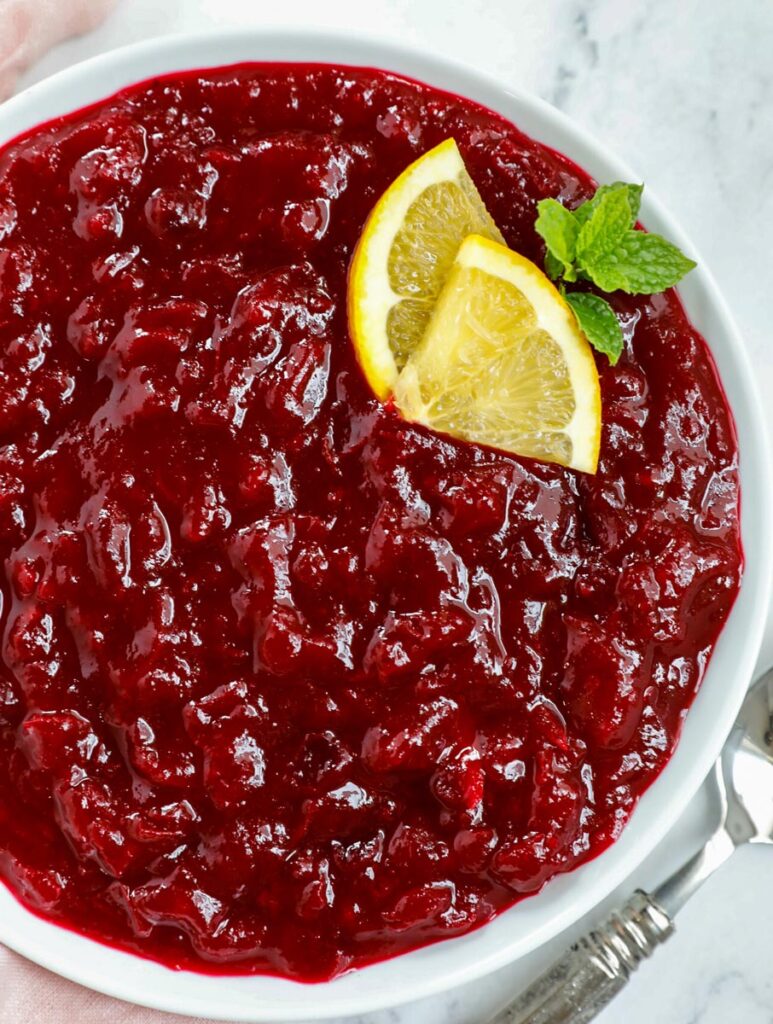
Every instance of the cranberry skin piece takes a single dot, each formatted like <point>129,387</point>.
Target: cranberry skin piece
<point>477,502</point>
<point>255,479</point>
<point>639,591</point>
<point>318,895</point>
<point>526,861</point>
<point>204,514</point>
<point>473,848</point>
<point>594,583</point>
<point>92,818</point>
<point>340,813</point>
<point>604,684</point>
<point>162,825</point>
<point>234,771</point>
<point>244,851</point>
<point>304,224</point>
<point>171,766</point>
<point>108,529</point>
<point>558,797</point>
<point>406,642</point>
<point>13,514</point>
<point>415,849</point>
<point>10,705</point>
<point>459,780</point>
<point>504,752</point>
<point>228,709</point>
<point>178,901</point>
<point>412,741</point>
<point>322,759</point>
<point>286,645</point>
<point>58,741</point>
<point>278,310</point>
<point>158,333</point>
<point>155,684</point>
<point>90,328</point>
<point>44,888</point>
<point>297,389</point>
<point>122,897</point>
<point>35,652</point>
<point>170,211</point>
<point>19,267</point>
<point>420,906</point>
<point>311,567</point>
<point>218,277</point>
<point>524,864</point>
<point>234,941</point>
<point>104,173</point>
<point>176,211</point>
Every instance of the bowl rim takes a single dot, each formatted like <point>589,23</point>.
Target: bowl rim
<point>455,961</point>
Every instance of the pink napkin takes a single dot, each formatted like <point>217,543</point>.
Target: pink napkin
<point>30,27</point>
<point>31,995</point>
<point>28,993</point>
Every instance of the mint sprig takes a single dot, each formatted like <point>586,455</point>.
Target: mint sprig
<point>599,243</point>
<point>598,323</point>
<point>559,228</point>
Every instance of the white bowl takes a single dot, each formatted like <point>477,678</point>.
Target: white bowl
<point>530,923</point>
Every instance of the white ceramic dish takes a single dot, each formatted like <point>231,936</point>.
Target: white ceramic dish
<point>524,927</point>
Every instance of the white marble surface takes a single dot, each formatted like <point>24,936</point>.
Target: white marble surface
<point>684,92</point>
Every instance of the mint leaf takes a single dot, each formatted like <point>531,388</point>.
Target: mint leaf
<point>554,268</point>
<point>558,229</point>
<point>598,323</point>
<point>640,264</point>
<point>633,192</point>
<point>602,232</point>
<point>598,242</point>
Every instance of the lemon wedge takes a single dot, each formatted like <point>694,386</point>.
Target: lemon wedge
<point>502,362</point>
<point>404,255</point>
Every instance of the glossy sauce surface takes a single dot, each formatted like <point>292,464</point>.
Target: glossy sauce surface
<point>288,685</point>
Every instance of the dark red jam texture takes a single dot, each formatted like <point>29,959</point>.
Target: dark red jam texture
<point>288,685</point>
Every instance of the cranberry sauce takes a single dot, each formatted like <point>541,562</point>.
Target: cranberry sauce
<point>288,685</point>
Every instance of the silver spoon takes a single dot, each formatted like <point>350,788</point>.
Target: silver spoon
<point>591,973</point>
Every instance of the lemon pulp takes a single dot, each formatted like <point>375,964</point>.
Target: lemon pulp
<point>502,362</point>
<point>404,255</point>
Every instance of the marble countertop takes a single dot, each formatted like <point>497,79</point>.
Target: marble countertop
<point>684,93</point>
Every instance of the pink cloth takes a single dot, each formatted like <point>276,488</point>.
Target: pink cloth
<point>30,27</point>
<point>31,995</point>
<point>28,993</point>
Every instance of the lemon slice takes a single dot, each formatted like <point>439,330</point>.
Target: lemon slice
<point>403,257</point>
<point>503,363</point>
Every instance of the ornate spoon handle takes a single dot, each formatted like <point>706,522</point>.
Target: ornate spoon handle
<point>591,973</point>
<point>593,970</point>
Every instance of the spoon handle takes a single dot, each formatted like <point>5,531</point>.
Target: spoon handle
<point>591,973</point>
<point>684,883</point>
